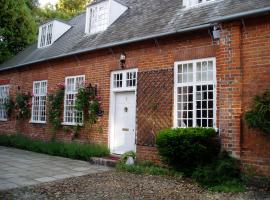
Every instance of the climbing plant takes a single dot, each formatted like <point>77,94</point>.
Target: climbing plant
<point>9,106</point>
<point>55,105</point>
<point>88,103</point>
<point>23,105</point>
<point>259,115</point>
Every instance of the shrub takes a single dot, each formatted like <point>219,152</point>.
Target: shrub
<point>55,148</point>
<point>126,155</point>
<point>224,172</point>
<point>259,115</point>
<point>186,148</point>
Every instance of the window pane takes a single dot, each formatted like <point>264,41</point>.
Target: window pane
<point>71,115</point>
<point>204,71</point>
<point>210,66</point>
<point>204,106</point>
<point>131,79</point>
<point>204,76</point>
<point>180,69</point>
<point>185,106</point>
<point>118,80</point>
<point>99,17</point>
<point>185,73</point>
<point>4,95</point>
<point>39,101</point>
<point>201,111</point>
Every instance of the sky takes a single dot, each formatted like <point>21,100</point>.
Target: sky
<point>44,2</point>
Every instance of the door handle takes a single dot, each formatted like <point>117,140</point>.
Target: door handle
<point>125,129</point>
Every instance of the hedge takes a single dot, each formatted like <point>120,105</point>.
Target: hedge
<point>55,148</point>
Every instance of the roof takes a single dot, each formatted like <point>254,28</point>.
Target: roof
<point>144,19</point>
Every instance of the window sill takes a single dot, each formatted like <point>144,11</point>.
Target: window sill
<point>71,124</point>
<point>33,122</point>
<point>3,120</point>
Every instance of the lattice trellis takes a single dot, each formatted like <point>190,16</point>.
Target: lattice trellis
<point>154,104</point>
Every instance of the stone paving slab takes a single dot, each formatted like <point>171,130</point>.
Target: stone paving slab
<point>20,168</point>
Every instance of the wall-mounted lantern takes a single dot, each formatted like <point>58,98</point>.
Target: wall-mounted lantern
<point>216,32</point>
<point>122,60</point>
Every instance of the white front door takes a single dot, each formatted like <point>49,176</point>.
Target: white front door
<point>124,122</point>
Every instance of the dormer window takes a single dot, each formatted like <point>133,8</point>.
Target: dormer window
<point>190,3</point>
<point>46,35</point>
<point>99,16</point>
<point>50,32</point>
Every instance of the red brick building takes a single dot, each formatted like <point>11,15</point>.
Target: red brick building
<point>187,64</point>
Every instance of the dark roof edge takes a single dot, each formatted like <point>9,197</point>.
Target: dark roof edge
<point>203,26</point>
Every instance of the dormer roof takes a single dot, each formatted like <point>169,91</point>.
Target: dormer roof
<point>50,31</point>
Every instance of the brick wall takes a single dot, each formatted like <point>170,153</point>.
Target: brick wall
<point>255,147</point>
<point>242,71</point>
<point>229,87</point>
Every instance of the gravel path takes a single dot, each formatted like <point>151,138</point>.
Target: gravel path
<point>115,185</point>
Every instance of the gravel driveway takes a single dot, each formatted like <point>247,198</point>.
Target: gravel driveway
<point>116,185</point>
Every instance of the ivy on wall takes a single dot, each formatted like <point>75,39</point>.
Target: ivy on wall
<point>55,106</point>
<point>23,105</point>
<point>259,115</point>
<point>88,103</point>
<point>9,106</point>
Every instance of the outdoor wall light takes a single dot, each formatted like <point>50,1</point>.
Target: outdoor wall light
<point>216,32</point>
<point>122,60</point>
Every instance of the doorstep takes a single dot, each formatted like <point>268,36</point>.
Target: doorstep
<point>109,161</point>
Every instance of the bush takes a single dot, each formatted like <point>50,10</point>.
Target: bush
<point>224,172</point>
<point>69,150</point>
<point>187,148</point>
<point>126,155</point>
<point>259,116</point>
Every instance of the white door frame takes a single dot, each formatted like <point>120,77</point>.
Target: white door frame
<point>113,91</point>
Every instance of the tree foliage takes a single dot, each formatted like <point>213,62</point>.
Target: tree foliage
<point>19,21</point>
<point>17,27</point>
<point>71,7</point>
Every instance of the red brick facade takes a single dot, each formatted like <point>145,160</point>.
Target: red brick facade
<point>243,70</point>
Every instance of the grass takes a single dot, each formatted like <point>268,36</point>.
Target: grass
<point>55,148</point>
<point>233,186</point>
<point>147,168</point>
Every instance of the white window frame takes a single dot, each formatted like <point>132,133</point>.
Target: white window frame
<point>39,121</point>
<point>125,86</point>
<point>3,100</point>
<point>46,35</point>
<point>194,83</point>
<point>89,21</point>
<point>65,99</point>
